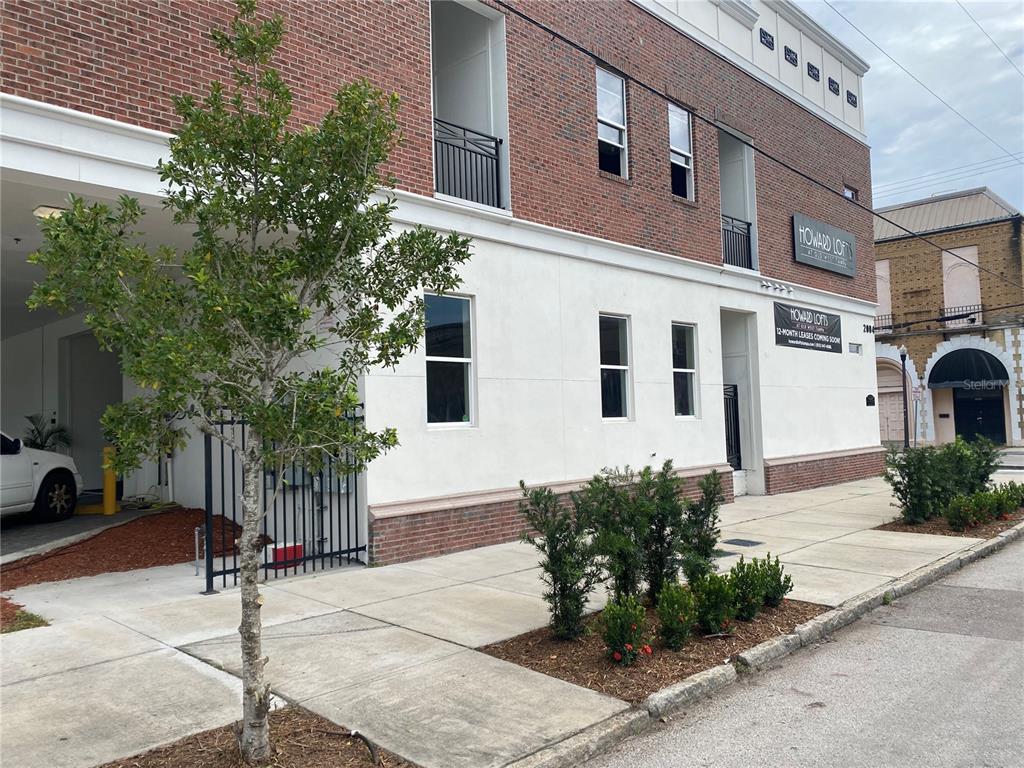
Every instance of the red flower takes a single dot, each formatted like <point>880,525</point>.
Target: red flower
<point>617,656</point>
<point>634,627</point>
<point>647,649</point>
<point>629,647</point>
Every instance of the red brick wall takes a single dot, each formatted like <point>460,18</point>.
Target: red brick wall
<point>814,473</point>
<point>124,59</point>
<point>440,532</point>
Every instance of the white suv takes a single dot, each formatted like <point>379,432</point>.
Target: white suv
<point>44,482</point>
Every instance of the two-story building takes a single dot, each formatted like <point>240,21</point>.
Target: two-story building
<point>649,279</point>
<point>954,302</point>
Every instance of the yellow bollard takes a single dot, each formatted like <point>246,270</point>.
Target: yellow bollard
<point>109,482</point>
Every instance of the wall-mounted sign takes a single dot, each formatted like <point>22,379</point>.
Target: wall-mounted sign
<point>833,85</point>
<point>767,39</point>
<point>824,246</point>
<point>851,98</point>
<point>790,55</point>
<point>807,328</point>
<point>813,72</point>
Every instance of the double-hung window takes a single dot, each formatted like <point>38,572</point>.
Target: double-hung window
<point>614,340</point>
<point>611,123</point>
<point>684,370</point>
<point>449,359</point>
<point>680,149</point>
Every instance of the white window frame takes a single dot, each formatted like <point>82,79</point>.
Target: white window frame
<point>468,361</point>
<point>626,367</point>
<point>695,393</point>
<point>621,128</point>
<point>678,155</point>
<point>851,193</point>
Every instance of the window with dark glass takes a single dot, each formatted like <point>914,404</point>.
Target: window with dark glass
<point>611,123</point>
<point>684,370</point>
<point>614,338</point>
<point>449,359</point>
<point>680,147</point>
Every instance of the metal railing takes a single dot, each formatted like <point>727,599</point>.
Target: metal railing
<point>963,316</point>
<point>883,323</point>
<point>736,242</point>
<point>467,164</point>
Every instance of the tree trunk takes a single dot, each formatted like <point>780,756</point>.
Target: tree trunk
<point>254,742</point>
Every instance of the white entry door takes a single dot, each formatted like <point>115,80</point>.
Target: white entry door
<point>890,416</point>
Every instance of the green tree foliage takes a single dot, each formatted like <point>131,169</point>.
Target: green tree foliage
<point>677,614</point>
<point>748,589</point>
<point>293,260</point>
<point>700,529</point>
<point>664,532</point>
<point>569,564</point>
<point>43,435</point>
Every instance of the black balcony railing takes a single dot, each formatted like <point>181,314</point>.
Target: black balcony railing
<point>960,317</point>
<point>883,323</point>
<point>736,242</point>
<point>467,164</point>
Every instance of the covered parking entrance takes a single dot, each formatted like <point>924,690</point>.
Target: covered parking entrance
<point>975,383</point>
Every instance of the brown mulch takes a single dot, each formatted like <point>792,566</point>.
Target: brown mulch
<point>8,611</point>
<point>164,538</point>
<point>14,617</point>
<point>939,526</point>
<point>584,662</point>
<point>299,739</point>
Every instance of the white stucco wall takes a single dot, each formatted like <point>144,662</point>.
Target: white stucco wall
<point>537,381</point>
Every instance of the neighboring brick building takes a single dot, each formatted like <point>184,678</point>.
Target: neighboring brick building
<point>636,291</point>
<point>958,311</point>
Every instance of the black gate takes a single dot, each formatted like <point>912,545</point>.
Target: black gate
<point>732,426</point>
<point>313,523</point>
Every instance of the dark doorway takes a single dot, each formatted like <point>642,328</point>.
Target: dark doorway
<point>979,413</point>
<point>732,427</point>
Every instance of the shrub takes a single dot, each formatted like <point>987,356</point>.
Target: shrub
<point>747,589</point>
<point>664,539</point>
<point>959,513</point>
<point>917,482</point>
<point>1007,500</point>
<point>677,614</point>
<point>569,567</point>
<point>1015,492</point>
<point>985,506</point>
<point>622,623</point>
<point>618,504</point>
<point>700,529</point>
<point>715,603</point>
<point>776,583</point>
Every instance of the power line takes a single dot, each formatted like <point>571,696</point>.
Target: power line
<point>976,166</point>
<point>944,180</point>
<point>978,25</point>
<point>914,77</point>
<point>556,35</point>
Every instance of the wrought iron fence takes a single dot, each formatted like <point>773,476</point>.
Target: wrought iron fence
<point>736,242</point>
<point>732,426</point>
<point>467,164</point>
<point>959,317</point>
<point>315,522</point>
<point>883,323</point>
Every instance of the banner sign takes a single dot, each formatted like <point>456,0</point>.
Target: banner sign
<point>824,246</point>
<point>807,328</point>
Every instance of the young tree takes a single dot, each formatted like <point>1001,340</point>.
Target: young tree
<point>294,285</point>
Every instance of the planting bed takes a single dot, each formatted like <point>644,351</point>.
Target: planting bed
<point>584,662</point>
<point>939,526</point>
<point>13,617</point>
<point>299,739</point>
<point>164,538</point>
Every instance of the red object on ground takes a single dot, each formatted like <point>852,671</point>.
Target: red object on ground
<point>285,554</point>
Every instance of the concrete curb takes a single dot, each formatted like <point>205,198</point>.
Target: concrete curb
<point>661,703</point>
<point>608,733</point>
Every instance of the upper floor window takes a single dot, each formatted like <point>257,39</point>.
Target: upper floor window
<point>680,145</point>
<point>614,332</point>
<point>850,193</point>
<point>449,359</point>
<point>611,123</point>
<point>684,370</point>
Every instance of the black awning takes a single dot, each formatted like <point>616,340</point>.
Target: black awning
<point>968,369</point>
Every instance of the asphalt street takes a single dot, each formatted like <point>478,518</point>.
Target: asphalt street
<point>935,679</point>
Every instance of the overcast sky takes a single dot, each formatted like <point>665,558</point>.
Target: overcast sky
<point>911,133</point>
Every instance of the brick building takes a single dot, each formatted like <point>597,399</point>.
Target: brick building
<point>675,293</point>
<point>958,312</point>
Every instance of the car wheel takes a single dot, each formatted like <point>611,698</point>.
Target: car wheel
<point>57,497</point>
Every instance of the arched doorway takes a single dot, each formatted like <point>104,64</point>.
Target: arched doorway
<point>974,382</point>
<point>890,401</point>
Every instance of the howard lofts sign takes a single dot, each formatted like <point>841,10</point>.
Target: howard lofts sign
<point>824,246</point>
<point>807,328</point>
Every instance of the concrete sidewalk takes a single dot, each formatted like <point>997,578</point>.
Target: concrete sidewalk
<point>389,651</point>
